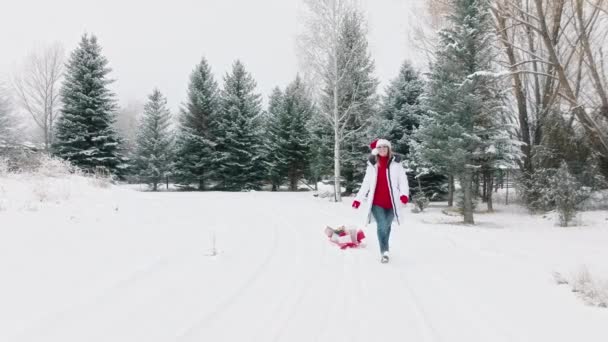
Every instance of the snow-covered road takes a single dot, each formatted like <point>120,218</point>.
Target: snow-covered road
<point>133,266</point>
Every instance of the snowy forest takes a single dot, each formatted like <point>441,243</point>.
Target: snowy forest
<point>515,94</point>
<point>304,170</point>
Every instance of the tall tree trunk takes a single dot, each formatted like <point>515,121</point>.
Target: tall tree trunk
<point>490,185</point>
<point>293,181</point>
<point>484,187</point>
<point>337,187</point>
<point>450,191</point>
<point>467,184</point>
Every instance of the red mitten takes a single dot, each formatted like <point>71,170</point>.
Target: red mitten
<point>404,199</point>
<point>356,204</point>
<point>360,236</point>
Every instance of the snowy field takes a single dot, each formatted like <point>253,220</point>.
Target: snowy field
<point>84,261</point>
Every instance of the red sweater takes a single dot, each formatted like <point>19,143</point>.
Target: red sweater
<point>382,196</point>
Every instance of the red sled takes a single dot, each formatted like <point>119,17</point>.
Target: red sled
<point>345,237</point>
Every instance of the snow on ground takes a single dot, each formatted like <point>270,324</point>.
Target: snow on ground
<point>80,262</point>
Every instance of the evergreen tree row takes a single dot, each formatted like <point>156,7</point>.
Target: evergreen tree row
<point>222,138</point>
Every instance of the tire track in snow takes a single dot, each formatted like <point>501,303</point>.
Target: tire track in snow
<point>285,293</point>
<point>319,269</point>
<point>280,223</point>
<point>443,288</point>
<point>306,287</point>
<point>52,319</point>
<point>227,302</point>
<point>429,331</point>
<point>458,299</point>
<point>425,326</point>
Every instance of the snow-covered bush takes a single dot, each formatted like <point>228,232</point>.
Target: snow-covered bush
<point>567,193</point>
<point>598,200</point>
<point>101,178</point>
<point>49,166</point>
<point>3,166</point>
<point>536,191</point>
<point>592,290</point>
<point>420,201</point>
<point>554,189</point>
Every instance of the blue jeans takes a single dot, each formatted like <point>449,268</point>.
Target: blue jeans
<point>384,218</point>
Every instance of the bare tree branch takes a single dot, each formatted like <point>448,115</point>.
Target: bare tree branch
<point>37,88</point>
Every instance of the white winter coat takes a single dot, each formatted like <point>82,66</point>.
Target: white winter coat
<point>397,181</point>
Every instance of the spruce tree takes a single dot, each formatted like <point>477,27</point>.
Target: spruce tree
<point>154,150</point>
<point>357,97</point>
<point>295,145</point>
<point>85,134</point>
<point>401,108</point>
<point>568,194</point>
<point>275,136</point>
<point>321,149</point>
<point>400,115</point>
<point>195,147</point>
<point>463,131</point>
<point>239,133</point>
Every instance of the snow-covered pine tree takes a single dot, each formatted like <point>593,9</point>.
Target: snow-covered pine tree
<point>239,133</point>
<point>567,193</point>
<point>154,150</point>
<point>401,107</point>
<point>400,114</point>
<point>289,138</point>
<point>194,160</point>
<point>275,137</point>
<point>298,109</point>
<point>85,134</point>
<point>463,130</point>
<point>321,149</point>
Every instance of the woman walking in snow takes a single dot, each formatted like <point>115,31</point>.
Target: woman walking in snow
<point>384,184</point>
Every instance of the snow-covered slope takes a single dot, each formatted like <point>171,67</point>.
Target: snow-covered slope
<point>84,262</point>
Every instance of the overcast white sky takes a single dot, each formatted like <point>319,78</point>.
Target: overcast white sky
<point>157,43</point>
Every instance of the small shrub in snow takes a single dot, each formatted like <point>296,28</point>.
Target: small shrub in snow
<point>420,201</point>
<point>559,279</point>
<point>598,200</point>
<point>591,290</point>
<point>581,280</point>
<point>3,166</point>
<point>555,189</point>
<point>568,194</point>
<point>53,167</point>
<point>100,181</point>
<point>100,178</point>
<point>41,190</point>
<point>536,190</point>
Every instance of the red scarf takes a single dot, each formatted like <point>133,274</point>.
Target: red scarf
<point>382,196</point>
